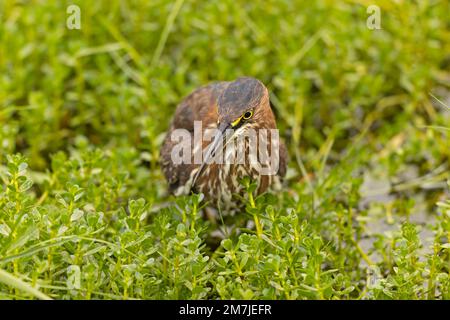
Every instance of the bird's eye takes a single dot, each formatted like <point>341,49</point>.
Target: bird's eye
<point>247,115</point>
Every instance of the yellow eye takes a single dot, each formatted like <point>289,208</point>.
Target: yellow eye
<point>247,115</point>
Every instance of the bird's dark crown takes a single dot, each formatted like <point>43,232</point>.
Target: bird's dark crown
<point>241,95</point>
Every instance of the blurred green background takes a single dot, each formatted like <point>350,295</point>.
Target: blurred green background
<point>372,101</point>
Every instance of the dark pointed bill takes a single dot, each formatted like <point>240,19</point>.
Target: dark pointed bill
<point>212,149</point>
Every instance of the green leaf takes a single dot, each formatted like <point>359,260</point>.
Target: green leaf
<point>76,215</point>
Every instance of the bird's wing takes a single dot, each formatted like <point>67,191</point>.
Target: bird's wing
<point>200,105</point>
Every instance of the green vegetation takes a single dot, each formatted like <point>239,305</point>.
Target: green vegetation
<point>84,212</point>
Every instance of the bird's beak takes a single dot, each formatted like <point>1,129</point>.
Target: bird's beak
<point>212,149</point>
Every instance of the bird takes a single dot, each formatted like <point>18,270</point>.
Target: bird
<point>240,106</point>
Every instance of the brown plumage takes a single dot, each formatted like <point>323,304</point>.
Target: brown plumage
<point>241,105</point>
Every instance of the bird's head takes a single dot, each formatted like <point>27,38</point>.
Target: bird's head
<point>243,104</point>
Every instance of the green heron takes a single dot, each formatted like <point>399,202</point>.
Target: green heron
<point>238,106</point>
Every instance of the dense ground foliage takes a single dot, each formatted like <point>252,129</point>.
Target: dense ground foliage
<point>84,211</point>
